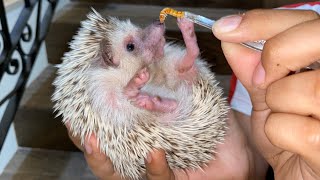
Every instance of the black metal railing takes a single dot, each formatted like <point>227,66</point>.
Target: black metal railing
<point>12,40</point>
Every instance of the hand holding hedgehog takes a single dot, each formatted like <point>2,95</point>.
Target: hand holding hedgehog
<point>285,117</point>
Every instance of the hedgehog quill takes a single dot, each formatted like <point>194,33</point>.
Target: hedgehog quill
<point>137,92</point>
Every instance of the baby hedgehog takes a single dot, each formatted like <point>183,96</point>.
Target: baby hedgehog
<point>136,92</point>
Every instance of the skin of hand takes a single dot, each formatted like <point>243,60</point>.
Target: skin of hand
<point>99,163</point>
<point>285,120</point>
<point>237,158</point>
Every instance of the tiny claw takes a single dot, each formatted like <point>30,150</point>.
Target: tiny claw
<point>156,98</point>
<point>158,22</point>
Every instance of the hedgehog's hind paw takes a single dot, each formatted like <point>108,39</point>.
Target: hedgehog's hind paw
<point>155,103</point>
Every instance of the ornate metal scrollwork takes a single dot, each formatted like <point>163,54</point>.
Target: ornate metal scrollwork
<point>12,67</point>
<point>11,42</point>
<point>1,41</point>
<point>27,34</point>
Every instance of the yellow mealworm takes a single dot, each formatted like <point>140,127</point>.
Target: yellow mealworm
<point>170,11</point>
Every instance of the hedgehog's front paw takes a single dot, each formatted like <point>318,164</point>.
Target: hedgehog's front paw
<point>141,78</point>
<point>136,83</point>
<point>186,27</point>
<point>192,50</point>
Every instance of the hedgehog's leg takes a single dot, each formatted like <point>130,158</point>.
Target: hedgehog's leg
<point>155,103</point>
<point>136,83</point>
<point>144,100</point>
<point>192,49</point>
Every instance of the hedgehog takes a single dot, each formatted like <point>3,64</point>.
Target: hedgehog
<point>137,92</point>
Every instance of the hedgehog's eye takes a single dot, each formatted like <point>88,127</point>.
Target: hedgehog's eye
<point>130,47</point>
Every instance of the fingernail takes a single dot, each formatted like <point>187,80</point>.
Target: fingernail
<point>87,147</point>
<point>259,75</point>
<point>68,125</point>
<point>149,158</point>
<point>227,23</point>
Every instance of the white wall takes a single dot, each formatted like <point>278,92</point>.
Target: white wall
<point>8,82</point>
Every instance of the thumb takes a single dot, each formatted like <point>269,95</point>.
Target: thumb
<point>242,60</point>
<point>157,166</point>
<point>259,24</point>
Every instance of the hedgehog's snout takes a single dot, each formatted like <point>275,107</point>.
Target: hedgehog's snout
<point>153,41</point>
<point>158,23</point>
<point>155,29</point>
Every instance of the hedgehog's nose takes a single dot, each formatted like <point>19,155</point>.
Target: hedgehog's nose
<point>157,22</point>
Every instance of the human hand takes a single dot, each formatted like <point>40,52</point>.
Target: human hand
<point>236,158</point>
<point>102,167</point>
<point>99,163</point>
<point>285,117</point>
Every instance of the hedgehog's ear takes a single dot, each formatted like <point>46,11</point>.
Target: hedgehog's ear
<point>106,52</point>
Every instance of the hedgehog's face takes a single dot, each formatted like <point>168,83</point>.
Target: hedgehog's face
<point>113,52</point>
<point>128,42</point>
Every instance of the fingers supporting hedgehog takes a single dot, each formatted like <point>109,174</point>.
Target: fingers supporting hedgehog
<point>157,166</point>
<point>75,139</point>
<point>98,162</point>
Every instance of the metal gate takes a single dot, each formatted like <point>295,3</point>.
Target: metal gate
<point>10,43</point>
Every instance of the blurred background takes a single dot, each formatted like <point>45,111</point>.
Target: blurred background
<point>35,34</point>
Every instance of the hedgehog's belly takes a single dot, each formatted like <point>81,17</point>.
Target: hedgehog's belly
<point>189,141</point>
<point>181,94</point>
